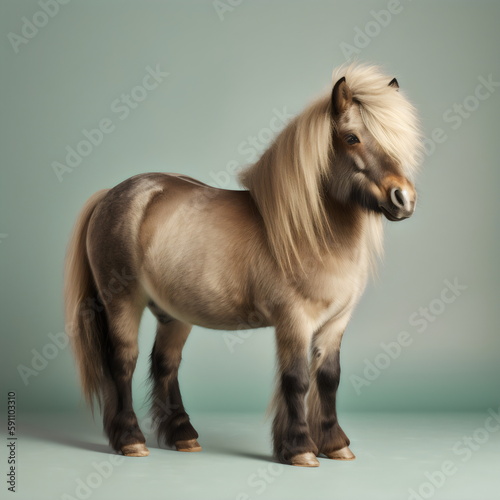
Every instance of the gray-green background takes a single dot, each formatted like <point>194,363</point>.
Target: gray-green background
<point>226,79</point>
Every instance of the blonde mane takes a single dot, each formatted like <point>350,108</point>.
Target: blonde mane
<point>288,181</point>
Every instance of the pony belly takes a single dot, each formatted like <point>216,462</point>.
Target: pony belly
<point>194,304</point>
<point>215,318</point>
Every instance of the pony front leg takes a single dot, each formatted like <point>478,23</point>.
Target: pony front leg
<point>291,439</point>
<point>322,412</point>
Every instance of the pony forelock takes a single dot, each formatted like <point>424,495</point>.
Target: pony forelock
<point>386,112</point>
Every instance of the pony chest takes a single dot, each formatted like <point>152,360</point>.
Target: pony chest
<point>331,296</point>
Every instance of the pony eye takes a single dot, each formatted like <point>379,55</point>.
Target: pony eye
<point>351,139</point>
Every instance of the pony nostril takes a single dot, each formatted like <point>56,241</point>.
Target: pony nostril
<point>400,198</point>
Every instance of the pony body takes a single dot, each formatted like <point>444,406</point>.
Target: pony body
<point>294,249</point>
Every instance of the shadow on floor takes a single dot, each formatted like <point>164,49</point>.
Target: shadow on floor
<point>43,432</point>
<point>211,442</point>
<point>216,449</point>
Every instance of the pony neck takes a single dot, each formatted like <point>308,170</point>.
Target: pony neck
<point>345,221</point>
<point>353,228</point>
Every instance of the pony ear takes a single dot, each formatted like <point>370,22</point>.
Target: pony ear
<point>341,97</point>
<point>394,83</point>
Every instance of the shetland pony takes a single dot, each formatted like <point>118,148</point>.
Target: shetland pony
<point>295,248</point>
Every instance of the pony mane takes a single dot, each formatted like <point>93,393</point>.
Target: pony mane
<point>288,181</point>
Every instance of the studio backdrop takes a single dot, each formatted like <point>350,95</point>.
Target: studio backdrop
<point>95,92</point>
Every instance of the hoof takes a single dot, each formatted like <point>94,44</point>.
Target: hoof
<point>135,450</point>
<point>188,445</point>
<point>342,454</point>
<point>305,460</point>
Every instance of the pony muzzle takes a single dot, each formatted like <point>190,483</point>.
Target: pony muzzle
<point>399,203</point>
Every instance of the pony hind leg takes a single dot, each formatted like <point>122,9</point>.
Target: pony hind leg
<point>169,415</point>
<point>120,420</point>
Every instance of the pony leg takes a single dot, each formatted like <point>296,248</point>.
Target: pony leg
<point>322,413</point>
<point>169,415</point>
<point>291,439</point>
<point>120,420</point>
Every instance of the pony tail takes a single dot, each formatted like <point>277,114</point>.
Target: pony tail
<point>86,325</point>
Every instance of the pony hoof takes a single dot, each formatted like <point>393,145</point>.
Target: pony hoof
<point>342,454</point>
<point>305,460</point>
<point>188,445</point>
<point>135,450</point>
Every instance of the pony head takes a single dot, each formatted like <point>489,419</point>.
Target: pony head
<point>376,143</point>
<point>358,144</point>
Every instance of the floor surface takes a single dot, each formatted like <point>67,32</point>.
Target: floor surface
<point>399,456</point>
